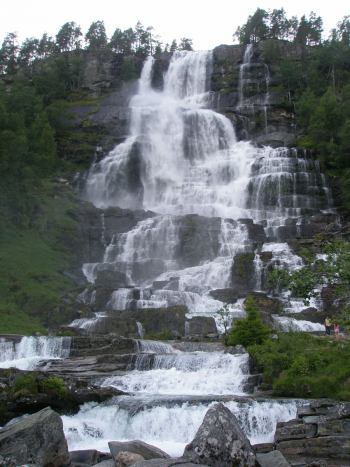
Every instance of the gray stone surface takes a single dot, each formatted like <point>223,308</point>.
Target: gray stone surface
<point>272,459</point>
<point>220,441</point>
<point>295,429</point>
<point>37,439</point>
<point>87,456</point>
<point>201,326</point>
<point>147,451</point>
<point>126,458</point>
<point>108,463</point>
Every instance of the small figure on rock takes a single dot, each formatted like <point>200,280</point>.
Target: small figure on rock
<point>337,330</point>
<point>327,325</point>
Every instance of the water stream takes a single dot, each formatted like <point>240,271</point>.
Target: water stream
<point>29,351</point>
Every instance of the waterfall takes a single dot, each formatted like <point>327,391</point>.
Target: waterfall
<point>258,271</point>
<point>154,347</point>
<point>27,353</point>
<point>247,57</point>
<point>169,428</point>
<point>194,373</point>
<point>140,330</point>
<point>182,161</point>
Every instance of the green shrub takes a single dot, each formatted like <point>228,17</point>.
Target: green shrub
<point>54,385</point>
<point>27,382</point>
<point>302,365</point>
<point>248,331</point>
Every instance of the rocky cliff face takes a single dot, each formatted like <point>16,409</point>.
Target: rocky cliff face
<point>264,113</point>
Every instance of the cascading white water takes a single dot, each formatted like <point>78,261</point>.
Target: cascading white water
<point>288,324</point>
<point>192,373</point>
<point>169,428</point>
<point>27,353</point>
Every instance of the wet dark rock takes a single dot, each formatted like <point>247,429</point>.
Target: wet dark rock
<point>310,314</point>
<point>273,458</point>
<point>242,273</point>
<point>98,365</point>
<point>228,295</point>
<point>155,321</point>
<point>37,439</point>
<point>87,457</point>
<point>251,383</point>
<point>147,451</point>
<point>220,442</point>
<point>201,326</point>
<point>97,345</point>
<point>331,302</point>
<point>263,447</point>
<point>111,280</point>
<point>198,239</point>
<point>256,234</point>
<point>267,304</point>
<point>160,66</point>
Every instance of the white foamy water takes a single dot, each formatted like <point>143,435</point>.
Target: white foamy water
<point>169,428</point>
<point>194,373</point>
<point>27,353</point>
<point>291,324</point>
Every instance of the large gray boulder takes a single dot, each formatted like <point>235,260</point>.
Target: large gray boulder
<point>220,441</point>
<point>147,451</point>
<point>36,439</point>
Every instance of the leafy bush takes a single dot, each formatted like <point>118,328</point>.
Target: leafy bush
<point>26,382</point>
<point>248,331</point>
<point>302,365</point>
<point>54,385</point>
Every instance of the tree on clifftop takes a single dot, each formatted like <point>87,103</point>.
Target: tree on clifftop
<point>69,37</point>
<point>255,28</point>
<point>96,37</point>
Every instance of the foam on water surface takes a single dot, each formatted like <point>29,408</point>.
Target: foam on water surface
<point>169,428</point>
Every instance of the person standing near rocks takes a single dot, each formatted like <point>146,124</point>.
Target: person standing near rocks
<point>336,330</point>
<point>327,325</point>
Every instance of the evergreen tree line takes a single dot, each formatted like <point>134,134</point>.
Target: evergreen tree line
<point>140,41</point>
<point>274,24</point>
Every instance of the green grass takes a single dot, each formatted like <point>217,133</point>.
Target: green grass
<point>32,260</point>
<point>302,365</point>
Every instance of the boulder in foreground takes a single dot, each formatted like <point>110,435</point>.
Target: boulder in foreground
<point>220,441</point>
<point>36,439</point>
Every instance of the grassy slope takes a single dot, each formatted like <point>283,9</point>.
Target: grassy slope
<point>302,365</point>
<point>32,260</point>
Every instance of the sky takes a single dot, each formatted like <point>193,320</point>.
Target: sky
<point>208,23</point>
